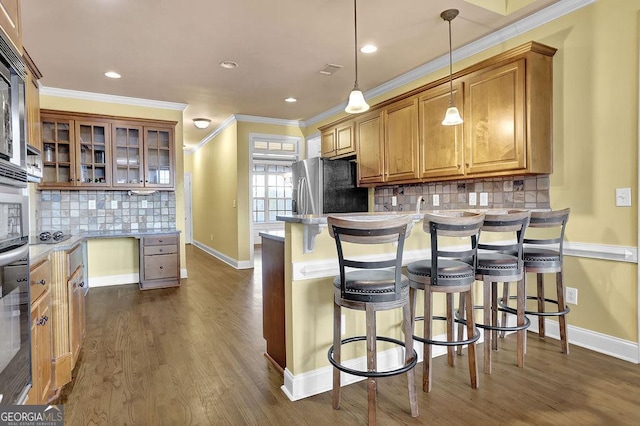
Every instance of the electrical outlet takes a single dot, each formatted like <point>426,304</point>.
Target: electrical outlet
<point>143,204</point>
<point>394,201</point>
<point>571,295</point>
<point>436,200</point>
<point>473,198</point>
<point>92,204</point>
<point>484,199</point>
<point>623,197</point>
<point>114,204</point>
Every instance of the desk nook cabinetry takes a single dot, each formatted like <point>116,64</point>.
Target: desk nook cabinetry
<point>41,331</point>
<point>159,261</point>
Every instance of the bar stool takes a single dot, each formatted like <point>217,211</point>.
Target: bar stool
<point>500,261</point>
<point>454,268</point>
<point>371,286</point>
<point>542,256</point>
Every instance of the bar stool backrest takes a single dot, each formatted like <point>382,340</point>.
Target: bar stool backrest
<point>513,221</point>
<point>549,219</point>
<point>364,231</point>
<point>453,224</point>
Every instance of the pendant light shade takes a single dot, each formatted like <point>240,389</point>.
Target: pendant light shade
<point>356,103</point>
<point>452,116</point>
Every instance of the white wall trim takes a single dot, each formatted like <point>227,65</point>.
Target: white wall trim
<point>268,120</point>
<point>110,280</point>
<point>601,251</point>
<point>542,17</point>
<point>183,273</point>
<point>215,132</point>
<point>245,264</point>
<point>101,97</point>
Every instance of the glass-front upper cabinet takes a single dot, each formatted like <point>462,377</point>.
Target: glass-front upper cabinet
<point>58,151</point>
<point>127,154</point>
<point>159,158</point>
<point>94,159</point>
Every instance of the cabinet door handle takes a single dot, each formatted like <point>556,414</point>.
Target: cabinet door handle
<point>22,280</point>
<point>81,284</point>
<point>42,282</point>
<point>162,267</point>
<point>43,320</point>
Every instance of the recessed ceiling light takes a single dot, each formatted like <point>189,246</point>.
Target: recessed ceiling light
<point>229,64</point>
<point>290,99</point>
<point>369,48</point>
<point>112,74</point>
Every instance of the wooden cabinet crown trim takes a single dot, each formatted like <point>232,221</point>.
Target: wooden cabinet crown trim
<point>112,118</point>
<point>507,56</point>
<point>33,68</point>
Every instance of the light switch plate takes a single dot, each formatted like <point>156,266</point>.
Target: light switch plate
<point>623,197</point>
<point>473,198</point>
<point>114,204</point>
<point>92,204</point>
<point>436,200</point>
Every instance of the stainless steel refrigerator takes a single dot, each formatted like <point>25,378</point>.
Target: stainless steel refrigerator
<point>322,186</point>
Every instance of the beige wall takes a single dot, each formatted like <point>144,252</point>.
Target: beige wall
<point>96,107</point>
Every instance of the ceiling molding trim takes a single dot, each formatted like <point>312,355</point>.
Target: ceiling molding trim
<point>267,120</point>
<point>539,18</point>
<point>215,132</point>
<point>101,97</point>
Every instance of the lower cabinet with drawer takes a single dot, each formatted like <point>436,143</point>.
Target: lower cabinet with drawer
<point>41,332</point>
<point>159,261</point>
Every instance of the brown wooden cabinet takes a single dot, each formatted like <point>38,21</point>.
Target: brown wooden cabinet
<point>159,261</point>
<point>99,152</point>
<point>32,89</point>
<point>441,147</point>
<point>273,303</point>
<point>75,297</point>
<point>369,137</point>
<point>338,141</point>
<point>41,333</point>
<point>400,122</point>
<point>10,22</point>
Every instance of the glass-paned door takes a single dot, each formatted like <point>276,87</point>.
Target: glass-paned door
<point>159,157</point>
<point>94,158</point>
<point>57,152</point>
<point>127,150</point>
<point>272,190</point>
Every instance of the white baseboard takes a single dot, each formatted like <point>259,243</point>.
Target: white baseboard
<point>245,264</point>
<point>320,380</point>
<point>110,280</point>
<point>183,273</point>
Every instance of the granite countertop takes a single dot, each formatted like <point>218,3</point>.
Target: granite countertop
<point>38,251</point>
<point>273,235</point>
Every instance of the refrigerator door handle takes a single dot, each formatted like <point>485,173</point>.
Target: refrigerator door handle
<point>303,195</point>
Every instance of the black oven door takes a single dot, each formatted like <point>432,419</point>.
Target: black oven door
<point>15,352</point>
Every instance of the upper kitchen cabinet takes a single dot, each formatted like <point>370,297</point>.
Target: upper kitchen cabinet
<point>338,141</point>
<point>34,135</point>
<point>159,157</point>
<point>58,151</point>
<point>103,152</point>
<point>400,123</point>
<point>508,114</point>
<point>10,21</point>
<point>369,132</point>
<point>441,147</point>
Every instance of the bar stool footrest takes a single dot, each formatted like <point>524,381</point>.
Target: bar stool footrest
<point>558,313</point>
<point>472,339</point>
<point>524,326</point>
<point>408,366</point>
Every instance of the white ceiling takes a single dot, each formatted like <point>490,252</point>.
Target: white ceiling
<point>168,50</point>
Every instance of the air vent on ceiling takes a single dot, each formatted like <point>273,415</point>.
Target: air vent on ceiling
<point>330,69</point>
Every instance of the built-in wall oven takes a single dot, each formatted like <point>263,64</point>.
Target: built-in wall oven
<point>15,353</point>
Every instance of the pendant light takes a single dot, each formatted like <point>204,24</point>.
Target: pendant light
<point>357,103</point>
<point>452,116</point>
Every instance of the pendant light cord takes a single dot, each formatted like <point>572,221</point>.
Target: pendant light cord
<point>355,32</point>
<point>450,67</point>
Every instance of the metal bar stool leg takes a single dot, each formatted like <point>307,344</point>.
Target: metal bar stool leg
<point>494,314</point>
<point>371,363</point>
<point>486,297</point>
<point>471,325</point>
<point>337,328</point>
<point>461,314</point>
<point>427,359</point>
<point>522,334</point>
<point>407,319</point>
<point>563,318</point>
<point>450,349</point>
<point>540,289</point>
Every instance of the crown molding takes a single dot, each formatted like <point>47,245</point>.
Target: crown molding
<point>267,120</point>
<point>539,18</point>
<point>215,132</point>
<point>101,97</point>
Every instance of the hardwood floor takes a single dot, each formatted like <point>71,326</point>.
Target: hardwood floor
<point>194,356</point>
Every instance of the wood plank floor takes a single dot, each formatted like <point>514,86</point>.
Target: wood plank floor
<point>194,356</point>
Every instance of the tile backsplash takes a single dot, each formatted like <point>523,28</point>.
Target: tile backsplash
<point>69,212</point>
<point>528,192</point>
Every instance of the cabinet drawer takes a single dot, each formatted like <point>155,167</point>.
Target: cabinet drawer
<point>160,266</point>
<point>39,279</point>
<point>155,250</point>
<point>160,240</point>
<point>74,259</point>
